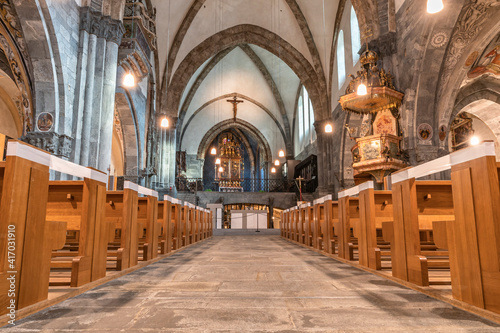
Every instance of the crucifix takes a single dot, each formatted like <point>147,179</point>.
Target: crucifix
<point>299,182</point>
<point>367,33</point>
<point>235,101</point>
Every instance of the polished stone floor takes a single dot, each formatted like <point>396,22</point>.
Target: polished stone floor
<point>253,283</point>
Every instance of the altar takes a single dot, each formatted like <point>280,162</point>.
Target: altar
<point>249,219</point>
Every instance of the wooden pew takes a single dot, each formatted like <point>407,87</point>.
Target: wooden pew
<point>348,219</point>
<point>176,223</point>
<point>308,216</point>
<point>210,224</point>
<point>24,179</point>
<point>165,219</point>
<point>293,223</point>
<point>301,222</point>
<point>147,217</point>
<point>187,222</point>
<point>285,228</point>
<point>416,205</point>
<point>375,207</point>
<point>325,213</point>
<point>296,224</point>
<point>82,205</point>
<point>121,210</point>
<point>473,238</point>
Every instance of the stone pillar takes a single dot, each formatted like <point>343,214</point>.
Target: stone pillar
<point>104,36</point>
<point>88,97</point>
<point>324,143</point>
<point>167,161</point>
<point>108,105</point>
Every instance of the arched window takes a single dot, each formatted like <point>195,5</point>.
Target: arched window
<point>355,36</point>
<point>341,59</point>
<point>300,111</point>
<point>306,112</point>
<point>311,119</point>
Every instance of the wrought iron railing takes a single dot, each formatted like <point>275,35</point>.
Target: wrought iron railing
<point>242,185</point>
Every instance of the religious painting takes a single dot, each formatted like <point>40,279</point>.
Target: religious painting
<point>442,132</point>
<point>370,150</point>
<point>384,123</point>
<point>424,132</point>
<point>488,63</point>
<point>45,122</point>
<point>471,58</point>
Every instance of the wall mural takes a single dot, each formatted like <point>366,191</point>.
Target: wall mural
<point>488,62</point>
<point>13,45</point>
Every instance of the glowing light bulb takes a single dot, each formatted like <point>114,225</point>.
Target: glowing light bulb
<point>328,128</point>
<point>221,169</point>
<point>217,161</point>
<point>129,80</point>
<point>213,151</point>
<point>474,141</point>
<point>362,90</point>
<point>164,122</point>
<point>281,153</point>
<point>434,6</point>
<point>277,163</point>
<point>273,170</point>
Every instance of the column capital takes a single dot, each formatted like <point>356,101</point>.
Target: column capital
<point>57,144</point>
<point>96,23</point>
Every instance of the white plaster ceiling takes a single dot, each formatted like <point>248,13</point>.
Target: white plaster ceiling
<point>167,24</point>
<point>285,78</point>
<point>237,73</point>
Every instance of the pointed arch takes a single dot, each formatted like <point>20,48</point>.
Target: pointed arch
<point>244,34</point>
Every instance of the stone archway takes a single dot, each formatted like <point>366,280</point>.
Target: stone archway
<point>239,124</point>
<point>241,34</point>
<point>251,100</point>
<point>131,152</point>
<point>481,99</point>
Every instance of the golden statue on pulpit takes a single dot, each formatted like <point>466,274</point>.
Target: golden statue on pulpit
<point>231,163</point>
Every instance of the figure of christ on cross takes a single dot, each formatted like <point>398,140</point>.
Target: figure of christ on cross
<point>235,101</point>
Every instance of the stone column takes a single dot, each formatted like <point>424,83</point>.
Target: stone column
<point>108,105</point>
<point>325,149</point>
<point>88,96</point>
<point>167,161</point>
<point>98,82</point>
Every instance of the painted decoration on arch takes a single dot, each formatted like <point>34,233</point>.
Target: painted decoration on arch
<point>471,58</point>
<point>45,122</point>
<point>442,132</point>
<point>424,132</point>
<point>488,63</point>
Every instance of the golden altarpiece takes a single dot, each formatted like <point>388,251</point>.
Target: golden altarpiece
<point>379,153</point>
<point>231,164</point>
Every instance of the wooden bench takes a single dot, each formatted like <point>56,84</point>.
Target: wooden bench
<point>301,223</point>
<point>343,228</point>
<point>416,205</point>
<point>121,210</point>
<point>473,238</point>
<point>176,224</point>
<point>325,212</point>
<point>165,238</point>
<point>285,218</point>
<point>307,218</point>
<point>81,204</point>
<point>24,178</point>
<point>147,217</point>
<point>375,207</point>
